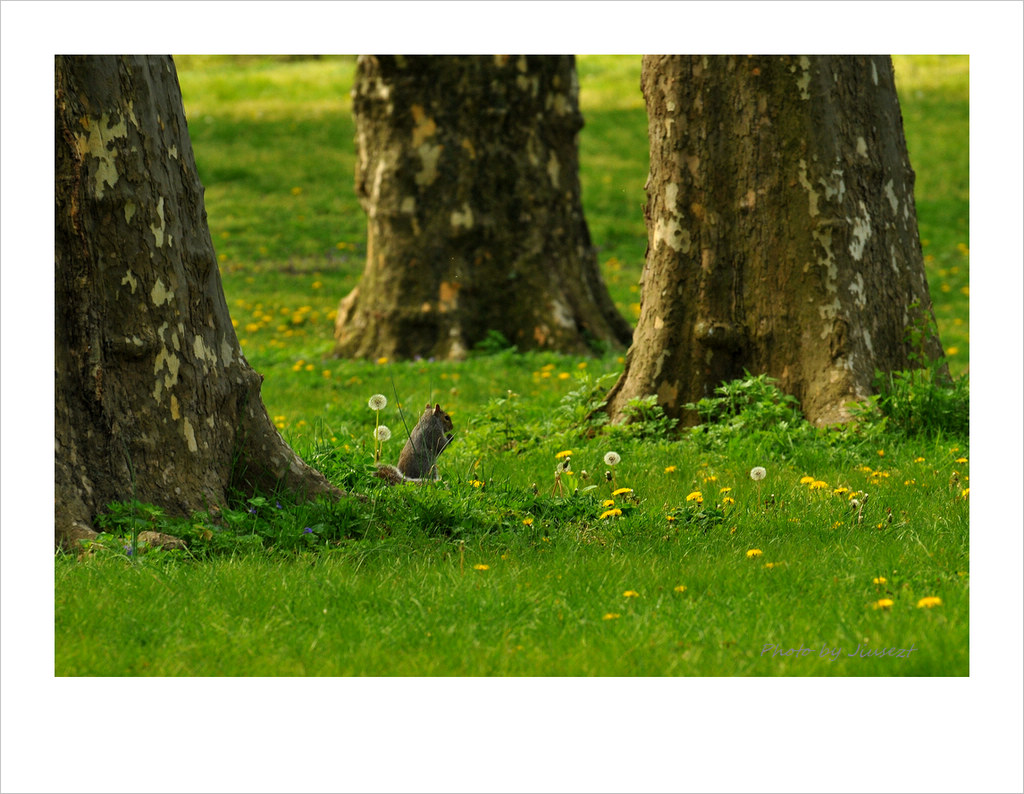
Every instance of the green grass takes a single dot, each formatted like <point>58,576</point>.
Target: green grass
<point>399,592</point>
<point>388,586</point>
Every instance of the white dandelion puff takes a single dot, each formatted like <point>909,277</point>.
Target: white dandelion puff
<point>378,402</point>
<point>611,458</point>
<point>758,473</point>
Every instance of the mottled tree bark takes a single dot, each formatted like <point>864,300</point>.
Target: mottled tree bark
<point>468,172</point>
<point>782,231</point>
<point>154,399</point>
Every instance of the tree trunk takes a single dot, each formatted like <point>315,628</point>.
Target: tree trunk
<point>782,231</point>
<point>468,172</point>
<point>154,399</point>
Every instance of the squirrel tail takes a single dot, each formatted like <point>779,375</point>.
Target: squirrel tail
<point>390,474</point>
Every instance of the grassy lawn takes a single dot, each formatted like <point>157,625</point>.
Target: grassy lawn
<point>695,570</point>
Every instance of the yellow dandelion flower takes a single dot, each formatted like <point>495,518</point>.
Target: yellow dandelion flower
<point>961,460</point>
<point>382,360</point>
<point>754,553</point>
<point>670,518</point>
<point>611,616</point>
<point>728,500</point>
<point>818,485</point>
<point>724,490</point>
<point>563,376</point>
<point>630,594</point>
<point>710,478</point>
<point>770,565</point>
<point>611,513</point>
<point>608,503</point>
<point>967,492</point>
<point>806,480</point>
<point>620,491</point>
<point>476,483</point>
<point>296,191</point>
<point>696,496</point>
<point>918,460</point>
<point>841,490</point>
<point>481,567</point>
<point>565,453</point>
<point>317,284</point>
<point>883,603</point>
<point>680,588</point>
<point>929,602</point>
<point>669,469</point>
<point>881,453</point>
<point>528,522</point>
<point>879,580</point>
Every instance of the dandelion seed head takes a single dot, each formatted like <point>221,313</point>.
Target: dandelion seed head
<point>382,433</point>
<point>378,402</point>
<point>612,458</point>
<point>758,473</point>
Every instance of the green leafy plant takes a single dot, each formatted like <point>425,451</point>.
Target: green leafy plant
<point>750,408</point>
<point>924,400</point>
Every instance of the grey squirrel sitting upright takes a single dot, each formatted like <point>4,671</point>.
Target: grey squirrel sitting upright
<point>418,461</point>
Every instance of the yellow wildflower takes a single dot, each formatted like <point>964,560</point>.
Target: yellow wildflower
<point>806,480</point>
<point>883,603</point>
<point>879,580</point>
<point>481,567</point>
<point>611,616</point>
<point>611,513</point>
<point>817,485</point>
<point>669,469</point>
<point>608,503</point>
<point>620,491</point>
<point>565,453</point>
<point>754,553</point>
<point>696,496</point>
<point>528,522</point>
<point>929,601</point>
<point>680,588</point>
<point>630,594</point>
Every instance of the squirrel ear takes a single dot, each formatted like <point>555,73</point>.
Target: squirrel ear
<point>437,408</point>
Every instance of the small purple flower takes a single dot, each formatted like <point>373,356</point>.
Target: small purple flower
<point>279,506</point>
<point>128,550</point>
<point>252,511</point>
<point>307,530</point>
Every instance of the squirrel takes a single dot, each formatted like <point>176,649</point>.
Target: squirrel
<point>418,461</point>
